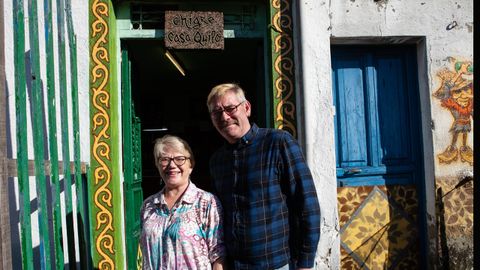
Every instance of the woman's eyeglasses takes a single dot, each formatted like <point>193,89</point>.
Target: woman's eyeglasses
<point>178,160</point>
<point>230,110</point>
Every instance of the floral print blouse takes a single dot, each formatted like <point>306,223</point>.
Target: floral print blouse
<point>189,236</point>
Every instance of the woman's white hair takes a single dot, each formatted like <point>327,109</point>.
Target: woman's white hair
<point>174,143</point>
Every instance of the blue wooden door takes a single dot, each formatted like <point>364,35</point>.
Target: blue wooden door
<point>376,122</point>
<point>378,157</point>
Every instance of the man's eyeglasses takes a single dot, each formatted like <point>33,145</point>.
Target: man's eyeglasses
<point>230,110</point>
<point>178,160</point>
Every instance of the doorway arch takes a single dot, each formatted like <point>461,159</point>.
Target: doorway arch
<point>106,211</point>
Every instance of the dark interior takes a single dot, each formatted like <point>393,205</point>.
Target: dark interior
<point>169,103</point>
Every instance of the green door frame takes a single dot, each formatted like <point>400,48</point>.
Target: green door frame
<point>105,198</point>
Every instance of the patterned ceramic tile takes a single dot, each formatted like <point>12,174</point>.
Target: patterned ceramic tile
<point>405,197</point>
<point>349,199</point>
<point>347,262</point>
<point>378,233</point>
<point>455,207</point>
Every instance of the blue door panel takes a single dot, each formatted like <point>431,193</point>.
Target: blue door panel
<point>376,180</point>
<point>353,149</point>
<point>375,127</point>
<point>393,110</point>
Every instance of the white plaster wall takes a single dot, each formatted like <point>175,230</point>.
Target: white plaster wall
<point>429,19</point>
<point>313,42</point>
<point>81,29</point>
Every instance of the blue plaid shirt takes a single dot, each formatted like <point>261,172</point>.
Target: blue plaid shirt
<point>271,209</point>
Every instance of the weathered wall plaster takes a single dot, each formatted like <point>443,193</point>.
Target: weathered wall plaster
<point>316,102</point>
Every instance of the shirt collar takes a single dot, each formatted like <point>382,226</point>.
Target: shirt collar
<point>187,197</point>
<point>246,139</point>
<point>250,135</point>
<point>190,194</point>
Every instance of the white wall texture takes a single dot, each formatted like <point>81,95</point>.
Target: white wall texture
<point>81,28</point>
<point>315,75</point>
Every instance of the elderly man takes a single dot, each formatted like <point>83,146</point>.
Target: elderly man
<point>271,209</point>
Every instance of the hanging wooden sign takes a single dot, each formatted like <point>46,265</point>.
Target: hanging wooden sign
<point>194,30</point>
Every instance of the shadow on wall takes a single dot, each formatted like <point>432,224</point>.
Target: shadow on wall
<point>445,204</point>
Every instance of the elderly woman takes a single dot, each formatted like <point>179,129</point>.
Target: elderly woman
<point>181,224</point>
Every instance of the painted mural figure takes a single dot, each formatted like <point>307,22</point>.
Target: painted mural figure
<point>456,95</point>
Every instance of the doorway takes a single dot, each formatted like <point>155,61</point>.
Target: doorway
<point>167,102</point>
<point>379,156</point>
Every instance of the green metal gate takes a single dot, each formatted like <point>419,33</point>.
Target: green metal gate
<point>132,167</point>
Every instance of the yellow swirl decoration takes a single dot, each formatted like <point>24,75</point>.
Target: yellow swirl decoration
<point>104,242</point>
<point>284,66</point>
<point>281,21</point>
